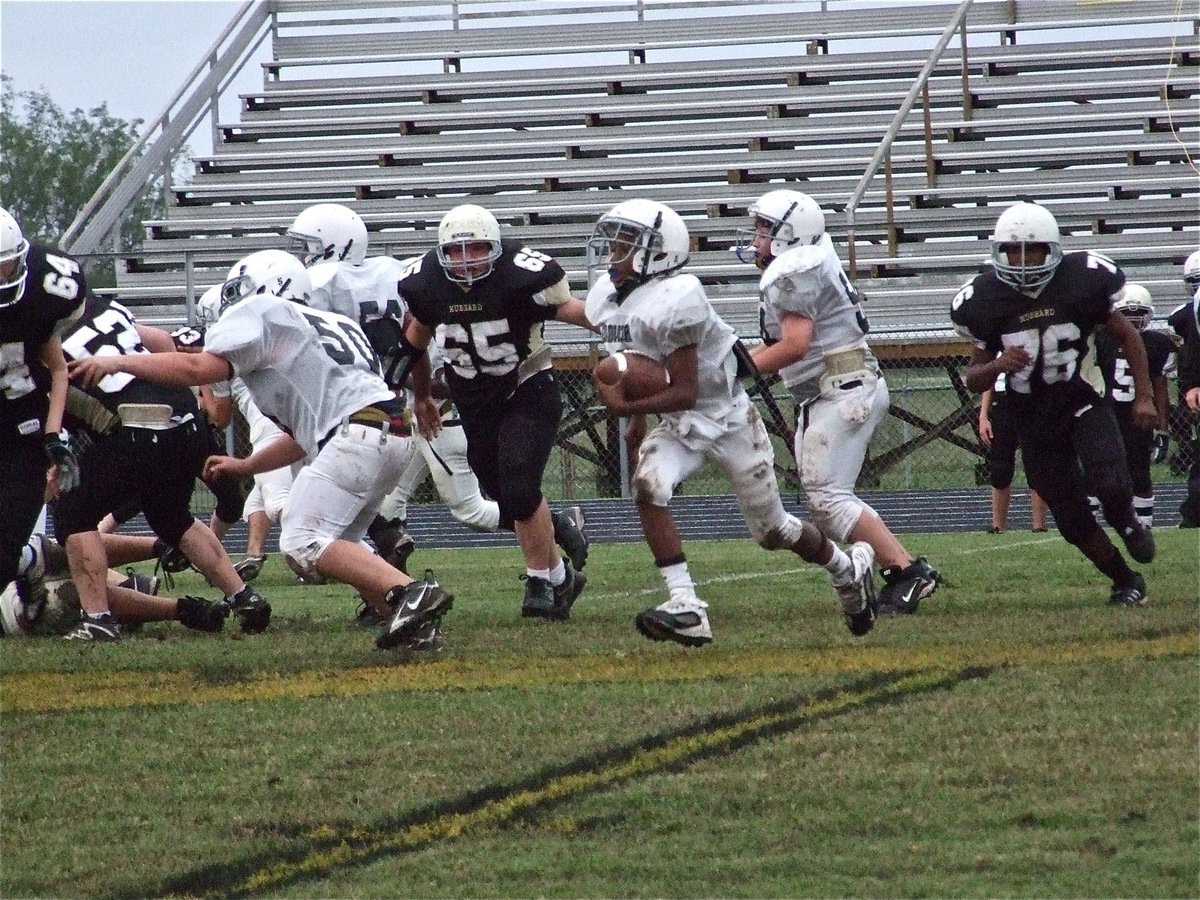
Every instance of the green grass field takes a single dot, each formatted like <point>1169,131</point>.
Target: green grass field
<point>1016,738</point>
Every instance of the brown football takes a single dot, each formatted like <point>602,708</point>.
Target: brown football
<point>641,375</point>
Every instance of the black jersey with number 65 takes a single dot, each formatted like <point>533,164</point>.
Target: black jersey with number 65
<point>55,288</point>
<point>491,334</point>
<point>1056,328</point>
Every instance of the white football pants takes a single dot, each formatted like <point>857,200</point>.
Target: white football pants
<point>831,443</point>
<point>740,445</point>
<point>336,495</point>
<point>455,482</point>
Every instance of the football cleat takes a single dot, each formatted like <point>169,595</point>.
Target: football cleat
<point>682,620</point>
<point>394,544</point>
<point>174,561</point>
<point>1139,541</point>
<point>250,567</point>
<point>31,579</point>
<point>427,641</point>
<point>568,592</point>
<point>539,599</point>
<point>857,597</point>
<point>905,588</point>
<point>200,614</point>
<point>101,628</point>
<point>570,536</point>
<point>1132,594</point>
<point>366,616</point>
<point>252,610</point>
<point>416,605</point>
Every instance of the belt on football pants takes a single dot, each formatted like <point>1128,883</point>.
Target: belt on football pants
<point>394,424</point>
<point>373,417</point>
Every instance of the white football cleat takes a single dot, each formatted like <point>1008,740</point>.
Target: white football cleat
<point>681,620</point>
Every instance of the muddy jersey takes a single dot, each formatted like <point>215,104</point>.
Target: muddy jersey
<point>490,335</point>
<point>661,316</point>
<point>55,288</point>
<point>306,369</point>
<point>1057,328</point>
<point>808,281</point>
<point>107,329</point>
<point>1118,377</point>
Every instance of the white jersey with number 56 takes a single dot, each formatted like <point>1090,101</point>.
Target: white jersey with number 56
<point>306,369</point>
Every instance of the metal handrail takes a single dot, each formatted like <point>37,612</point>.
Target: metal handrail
<point>141,162</point>
<point>885,146</point>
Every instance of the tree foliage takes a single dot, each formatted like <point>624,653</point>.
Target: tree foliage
<point>52,162</point>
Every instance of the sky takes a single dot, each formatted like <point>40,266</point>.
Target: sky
<point>132,56</point>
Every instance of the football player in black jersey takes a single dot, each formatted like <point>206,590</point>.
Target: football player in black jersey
<point>1185,321</point>
<point>147,444</point>
<point>1136,305</point>
<point>486,300</point>
<point>1033,316</point>
<point>41,296</point>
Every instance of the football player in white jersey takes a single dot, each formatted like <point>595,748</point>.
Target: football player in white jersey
<point>646,304</point>
<point>314,373</point>
<point>814,336</point>
<point>265,503</point>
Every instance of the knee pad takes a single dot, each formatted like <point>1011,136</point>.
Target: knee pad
<point>835,512</point>
<point>302,556</point>
<point>1000,472</point>
<point>649,489</point>
<point>478,514</point>
<point>231,500</point>
<point>1075,522</point>
<point>521,501</point>
<point>172,528</point>
<point>780,536</point>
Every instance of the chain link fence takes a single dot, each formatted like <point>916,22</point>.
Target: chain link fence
<point>929,440</point>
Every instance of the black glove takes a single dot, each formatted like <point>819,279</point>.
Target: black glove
<point>1162,443</point>
<point>63,459</point>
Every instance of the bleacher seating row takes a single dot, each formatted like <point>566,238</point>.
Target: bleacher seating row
<point>551,115</point>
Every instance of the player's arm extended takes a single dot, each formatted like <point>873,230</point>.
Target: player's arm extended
<point>795,337</point>
<point>173,369</point>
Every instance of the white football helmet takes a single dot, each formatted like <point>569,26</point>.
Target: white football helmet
<point>266,272</point>
<point>1191,271</point>
<point>13,251</point>
<point>1021,225</point>
<point>1136,304</point>
<point>650,235</point>
<point>56,612</point>
<point>460,230</point>
<point>328,231</point>
<point>794,219</point>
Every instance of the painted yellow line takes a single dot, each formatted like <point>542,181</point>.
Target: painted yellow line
<point>357,848</point>
<point>51,692</point>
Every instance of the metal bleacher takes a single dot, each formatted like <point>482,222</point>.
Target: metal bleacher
<point>551,113</point>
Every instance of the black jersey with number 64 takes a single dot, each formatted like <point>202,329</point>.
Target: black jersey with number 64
<point>491,334</point>
<point>55,288</point>
<point>1056,328</point>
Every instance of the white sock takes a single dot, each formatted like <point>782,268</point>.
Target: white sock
<point>1143,508</point>
<point>679,580</point>
<point>558,574</point>
<point>543,574</point>
<point>840,568</point>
